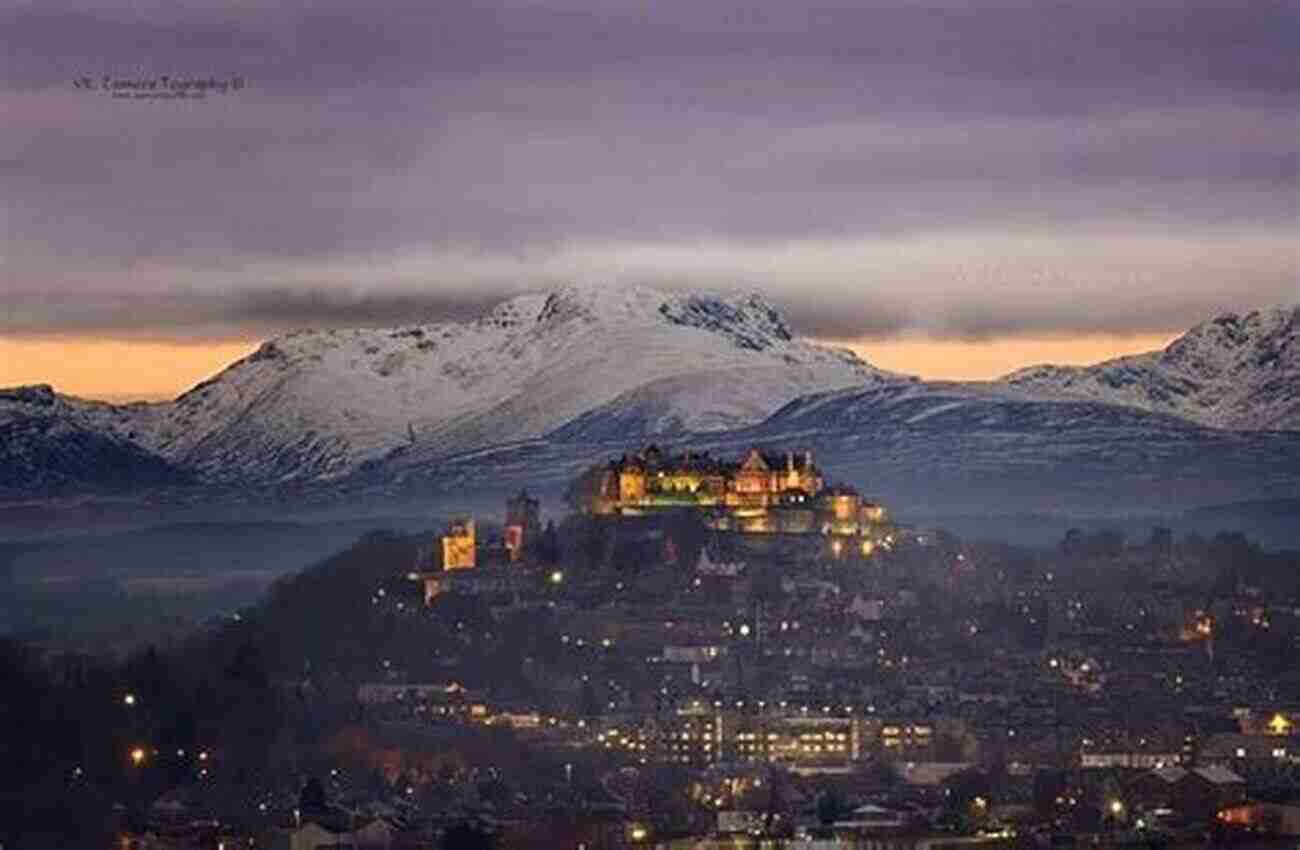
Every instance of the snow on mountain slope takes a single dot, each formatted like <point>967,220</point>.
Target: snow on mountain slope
<point>51,445</point>
<point>999,448</point>
<point>1239,372</point>
<point>550,376</point>
<point>924,448</point>
<point>656,408</point>
<point>318,405</point>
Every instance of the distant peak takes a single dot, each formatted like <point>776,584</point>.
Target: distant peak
<point>1229,330</point>
<point>747,313</point>
<point>42,395</point>
<point>595,302</point>
<point>515,312</point>
<point>748,319</point>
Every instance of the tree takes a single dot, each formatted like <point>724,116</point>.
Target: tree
<point>589,704</point>
<point>467,836</point>
<point>883,773</point>
<point>689,533</point>
<point>964,787</point>
<point>591,540</point>
<point>776,800</point>
<point>548,548</point>
<point>1049,785</point>
<point>766,585</point>
<point>831,807</point>
<point>1108,542</point>
<point>1072,544</point>
<point>494,791</point>
<point>312,797</point>
<point>250,720</point>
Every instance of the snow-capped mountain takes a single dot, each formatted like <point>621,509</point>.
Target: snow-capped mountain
<point>1239,372</point>
<point>546,384</point>
<point>51,446</point>
<point>927,448</point>
<point>995,448</point>
<point>321,404</point>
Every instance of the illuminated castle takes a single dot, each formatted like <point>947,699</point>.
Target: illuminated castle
<point>782,492</point>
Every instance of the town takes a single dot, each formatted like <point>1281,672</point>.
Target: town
<point>701,653</point>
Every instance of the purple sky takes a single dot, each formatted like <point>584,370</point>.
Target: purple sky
<point>965,169</point>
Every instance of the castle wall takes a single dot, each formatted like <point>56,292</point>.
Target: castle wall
<point>761,493</point>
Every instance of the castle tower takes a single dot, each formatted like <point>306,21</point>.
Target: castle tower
<point>523,524</point>
<point>458,546</point>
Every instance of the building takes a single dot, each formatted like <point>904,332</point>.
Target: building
<point>373,835</point>
<point>384,693</point>
<point>1270,818</point>
<point>1233,750</point>
<point>1199,791</point>
<point>760,493</point>
<point>700,734</point>
<point>440,701</point>
<point>458,546</point>
<point>903,737</point>
<point>692,736</point>
<point>1208,789</point>
<point>1130,758</point>
<point>810,744</point>
<point>523,524</point>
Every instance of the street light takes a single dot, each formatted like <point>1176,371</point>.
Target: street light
<point>137,756</point>
<point>129,699</point>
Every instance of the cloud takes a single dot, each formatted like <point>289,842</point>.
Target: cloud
<point>235,314</point>
<point>939,166</point>
<point>967,286</point>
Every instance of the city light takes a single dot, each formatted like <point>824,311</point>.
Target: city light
<point>129,699</point>
<point>556,577</point>
<point>137,756</point>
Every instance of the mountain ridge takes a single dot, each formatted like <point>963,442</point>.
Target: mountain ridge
<point>551,375</point>
<point>321,404</point>
<point>1233,371</point>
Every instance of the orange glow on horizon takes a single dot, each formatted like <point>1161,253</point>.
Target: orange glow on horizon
<point>153,370</point>
<point>967,360</point>
<point>114,369</point>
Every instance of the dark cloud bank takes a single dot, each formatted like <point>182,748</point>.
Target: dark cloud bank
<point>963,169</point>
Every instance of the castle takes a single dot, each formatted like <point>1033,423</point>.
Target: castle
<point>762,492</point>
<point>523,524</point>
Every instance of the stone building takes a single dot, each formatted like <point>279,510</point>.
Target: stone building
<point>459,546</point>
<point>523,524</point>
<point>760,493</point>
